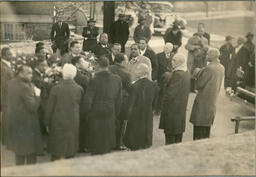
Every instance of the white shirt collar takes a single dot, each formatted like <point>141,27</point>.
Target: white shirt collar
<point>6,62</point>
<point>142,52</point>
<point>113,56</point>
<point>238,48</point>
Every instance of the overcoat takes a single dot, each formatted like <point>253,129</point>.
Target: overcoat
<point>239,59</point>
<point>172,38</point>
<point>62,117</point>
<point>226,53</point>
<point>24,136</point>
<point>60,34</point>
<point>208,84</point>
<point>125,76</point>
<point>91,35</point>
<point>197,48</point>
<point>141,103</point>
<point>164,65</point>
<point>140,32</point>
<point>119,32</point>
<point>6,75</point>
<point>99,50</point>
<point>102,104</point>
<point>150,54</point>
<point>174,104</point>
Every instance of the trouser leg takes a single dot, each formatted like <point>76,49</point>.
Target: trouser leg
<point>178,138</point>
<point>31,159</point>
<point>201,132</point>
<point>20,159</point>
<point>192,85</point>
<point>169,139</point>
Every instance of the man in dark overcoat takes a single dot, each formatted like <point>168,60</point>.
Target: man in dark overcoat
<point>142,31</point>
<point>119,32</point>
<point>174,36</point>
<point>146,51</point>
<point>226,53</point>
<point>82,78</point>
<point>60,34</point>
<point>6,75</point>
<point>175,99</point>
<point>62,116</point>
<point>90,34</point>
<point>164,70</point>
<point>142,101</point>
<point>119,69</point>
<point>208,82</point>
<point>102,105</point>
<point>240,61</point>
<point>24,136</point>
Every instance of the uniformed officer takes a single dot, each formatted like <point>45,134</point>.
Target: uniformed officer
<point>90,34</point>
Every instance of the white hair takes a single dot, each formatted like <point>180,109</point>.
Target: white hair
<point>69,71</point>
<point>180,62</point>
<point>143,70</point>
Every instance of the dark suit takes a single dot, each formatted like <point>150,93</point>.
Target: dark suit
<point>60,35</point>
<point>119,33</point>
<point>154,63</point>
<point>91,35</point>
<point>110,59</point>
<point>239,59</point>
<point>174,39</point>
<point>142,101</point>
<point>102,104</point>
<point>99,50</point>
<point>226,53</point>
<point>141,33</point>
<point>125,76</point>
<point>62,117</point>
<point>24,136</point>
<point>173,114</point>
<point>6,75</point>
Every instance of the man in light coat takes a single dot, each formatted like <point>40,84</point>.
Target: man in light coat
<point>208,82</point>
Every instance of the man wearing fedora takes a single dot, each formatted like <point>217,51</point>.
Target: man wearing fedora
<point>90,34</point>
<point>60,34</point>
<point>119,32</point>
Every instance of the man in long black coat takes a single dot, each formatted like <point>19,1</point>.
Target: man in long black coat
<point>174,105</point>
<point>119,69</point>
<point>62,116</point>
<point>146,51</point>
<point>60,34</point>
<point>119,32</point>
<point>90,32</point>
<point>24,136</point>
<point>174,36</point>
<point>102,104</point>
<point>226,53</point>
<point>6,75</point>
<point>142,101</point>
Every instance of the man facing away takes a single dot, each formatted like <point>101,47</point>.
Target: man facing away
<point>175,99</point>
<point>101,106</point>
<point>120,69</point>
<point>24,136</point>
<point>208,82</point>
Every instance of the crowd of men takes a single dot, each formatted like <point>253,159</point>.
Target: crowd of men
<point>111,106</point>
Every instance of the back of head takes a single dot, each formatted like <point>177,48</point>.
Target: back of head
<point>142,71</point>
<point>119,58</point>
<point>103,62</point>
<point>69,71</point>
<point>4,51</point>
<point>179,60</point>
<point>213,54</point>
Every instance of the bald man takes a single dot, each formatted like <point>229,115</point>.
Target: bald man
<point>174,102</point>
<point>208,82</point>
